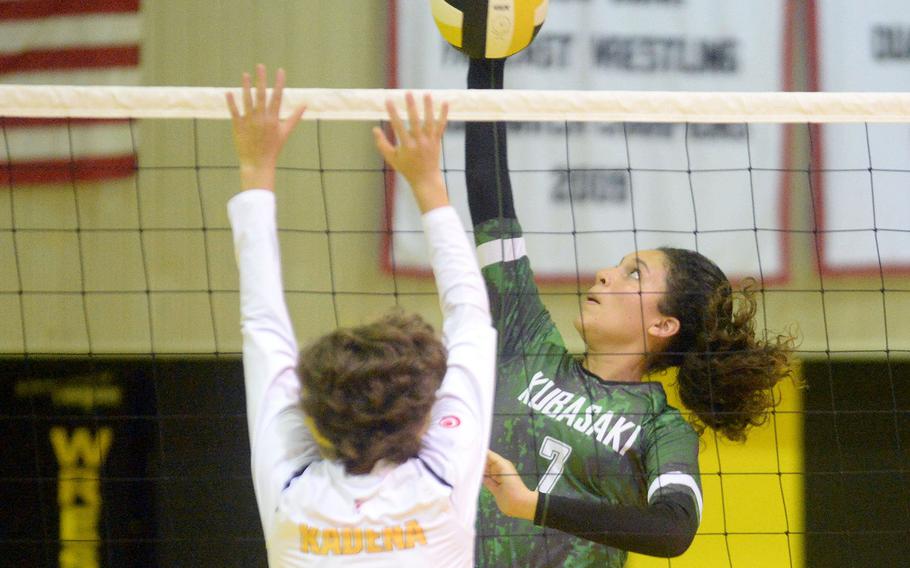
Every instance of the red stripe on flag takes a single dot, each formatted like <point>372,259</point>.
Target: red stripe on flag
<point>52,165</point>
<point>33,9</point>
<point>76,58</point>
<point>62,171</point>
<point>16,122</point>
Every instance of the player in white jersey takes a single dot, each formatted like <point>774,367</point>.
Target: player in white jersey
<point>370,450</point>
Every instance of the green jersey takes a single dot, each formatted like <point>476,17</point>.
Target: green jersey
<point>569,432</point>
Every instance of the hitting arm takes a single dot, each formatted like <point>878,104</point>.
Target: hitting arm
<point>666,526</point>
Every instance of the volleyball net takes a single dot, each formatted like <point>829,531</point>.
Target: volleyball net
<point>122,386</point>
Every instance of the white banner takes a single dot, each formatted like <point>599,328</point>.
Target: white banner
<point>864,214</point>
<point>715,188</point>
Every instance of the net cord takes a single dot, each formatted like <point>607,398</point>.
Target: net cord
<point>40,101</point>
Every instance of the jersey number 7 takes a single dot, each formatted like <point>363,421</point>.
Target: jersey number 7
<point>557,452</point>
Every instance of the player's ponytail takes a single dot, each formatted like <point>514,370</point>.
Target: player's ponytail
<point>726,374</point>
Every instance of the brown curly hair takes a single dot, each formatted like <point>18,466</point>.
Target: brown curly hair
<point>726,373</point>
<point>369,389</point>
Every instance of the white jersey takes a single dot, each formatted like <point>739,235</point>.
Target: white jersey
<point>419,513</point>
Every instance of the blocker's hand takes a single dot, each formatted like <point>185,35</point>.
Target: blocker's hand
<point>416,156</point>
<point>512,496</point>
<point>259,133</point>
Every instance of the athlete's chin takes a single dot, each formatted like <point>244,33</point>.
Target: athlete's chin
<point>583,331</point>
<point>579,326</point>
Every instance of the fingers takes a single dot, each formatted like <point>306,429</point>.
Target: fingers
<point>294,118</point>
<point>491,484</point>
<point>491,480</point>
<point>395,120</point>
<point>260,87</point>
<point>277,92</point>
<point>247,94</point>
<point>433,126</point>
<point>386,148</point>
<point>492,474</point>
<point>430,126</point>
<point>443,120</point>
<point>256,97</point>
<point>494,463</point>
<point>232,106</point>
<point>493,457</point>
<point>499,466</point>
<point>413,119</point>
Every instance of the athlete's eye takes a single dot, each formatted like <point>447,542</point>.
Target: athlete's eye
<point>635,273</point>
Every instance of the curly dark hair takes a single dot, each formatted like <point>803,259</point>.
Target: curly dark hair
<point>727,373</point>
<point>369,389</point>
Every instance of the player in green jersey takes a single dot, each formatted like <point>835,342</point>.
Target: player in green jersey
<point>602,464</point>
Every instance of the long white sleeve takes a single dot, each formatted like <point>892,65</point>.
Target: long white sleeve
<point>280,441</point>
<point>303,520</point>
<point>455,446</point>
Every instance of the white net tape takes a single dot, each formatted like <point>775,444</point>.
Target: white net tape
<point>514,105</point>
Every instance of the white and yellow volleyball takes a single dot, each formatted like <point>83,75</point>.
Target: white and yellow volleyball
<point>490,29</point>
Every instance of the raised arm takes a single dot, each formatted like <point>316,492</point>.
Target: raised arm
<point>523,322</point>
<point>416,155</point>
<point>259,133</point>
<point>279,438</point>
<point>456,440</point>
<point>486,158</point>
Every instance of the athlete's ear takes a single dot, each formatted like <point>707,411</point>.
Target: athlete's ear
<point>665,327</point>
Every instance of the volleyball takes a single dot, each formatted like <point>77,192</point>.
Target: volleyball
<point>490,29</point>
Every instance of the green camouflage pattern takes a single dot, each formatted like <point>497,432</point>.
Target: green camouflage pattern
<point>601,440</point>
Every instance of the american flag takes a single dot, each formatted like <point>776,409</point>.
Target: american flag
<point>67,42</point>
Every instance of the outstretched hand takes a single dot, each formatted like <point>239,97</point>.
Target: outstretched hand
<point>512,496</point>
<point>416,156</point>
<point>259,132</point>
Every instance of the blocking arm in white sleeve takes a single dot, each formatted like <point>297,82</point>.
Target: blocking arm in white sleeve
<point>456,443</point>
<point>280,441</point>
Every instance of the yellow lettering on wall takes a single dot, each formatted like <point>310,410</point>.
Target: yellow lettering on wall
<point>80,457</point>
<point>79,523</point>
<point>81,447</point>
<point>79,555</point>
<point>78,483</point>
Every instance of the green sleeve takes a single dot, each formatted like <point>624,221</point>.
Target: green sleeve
<point>524,324</point>
<point>671,457</point>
